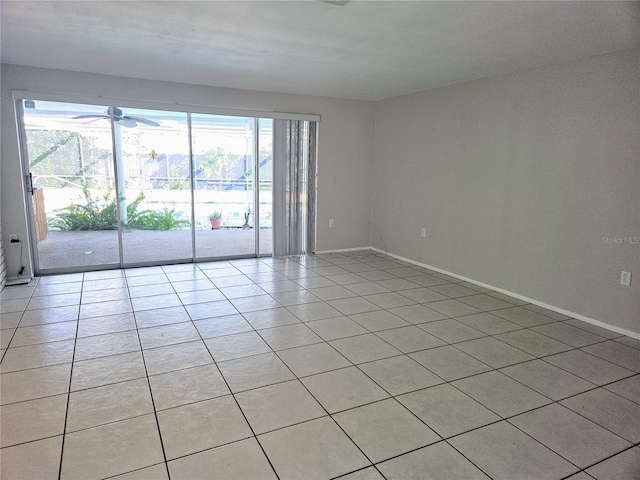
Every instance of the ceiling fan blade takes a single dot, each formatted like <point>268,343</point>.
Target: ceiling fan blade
<point>146,121</point>
<point>90,116</point>
<point>126,122</point>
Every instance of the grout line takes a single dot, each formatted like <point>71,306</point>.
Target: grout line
<point>153,405</point>
<point>66,413</point>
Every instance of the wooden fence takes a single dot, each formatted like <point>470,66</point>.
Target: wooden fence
<point>41,217</point>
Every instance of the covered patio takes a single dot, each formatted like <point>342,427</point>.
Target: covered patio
<point>75,249</point>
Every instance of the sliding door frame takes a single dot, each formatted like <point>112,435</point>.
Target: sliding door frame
<point>18,97</point>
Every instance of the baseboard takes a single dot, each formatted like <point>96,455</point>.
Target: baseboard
<point>13,281</point>
<point>598,323</point>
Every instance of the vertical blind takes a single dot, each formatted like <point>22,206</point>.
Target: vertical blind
<point>295,161</point>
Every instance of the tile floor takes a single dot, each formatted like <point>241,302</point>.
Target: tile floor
<point>355,365</point>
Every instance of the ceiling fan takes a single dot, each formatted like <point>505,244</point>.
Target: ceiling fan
<point>128,121</point>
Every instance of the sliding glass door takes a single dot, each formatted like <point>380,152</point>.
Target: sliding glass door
<point>224,178</point>
<point>265,190</point>
<point>116,186</point>
<point>153,165</point>
<point>72,178</point>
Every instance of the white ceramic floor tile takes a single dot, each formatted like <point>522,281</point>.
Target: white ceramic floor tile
<point>439,461</point>
<point>577,439</point>
<point>624,466</point>
<point>32,420</point>
<point>52,332</point>
<point>112,449</point>
<point>450,363</point>
<point>187,386</point>
<point>109,324</point>
<point>255,371</point>
<point>615,352</point>
<point>398,375</point>
<point>628,388</point>
<point>301,451</point>
<point>289,336</point>
<point>451,331</point>
<point>504,452</point>
<point>447,410</point>
<point>379,320</point>
<point>237,345</point>
<point>533,343</point>
<point>49,315</point>
<point>258,302</point>
<point>334,328</point>
<point>10,320</point>
<point>453,308</point>
<point>389,300</point>
<point>501,394</point>
<point>110,403</point>
<point>351,306</point>
<point>343,389</point>
<point>34,383</point>
<point>494,352</point>
<point>488,323</point>
<point>565,333</point>
<point>288,305</point>
<point>589,367</point>
<point>312,359</point>
<point>364,348</point>
<point>35,460</point>
<point>366,288</point>
<point>410,339</point>
<point>105,345</point>
<point>608,410</point>
<point>422,295</point>
<point>277,406</point>
<point>111,294</point>
<point>168,335</point>
<point>34,356</point>
<point>225,325</point>
<point>154,472</point>
<point>161,316</point>
<point>547,379</point>
<point>332,293</point>
<point>314,311</point>
<point>98,309</point>
<point>417,314</point>
<point>199,311</point>
<point>176,357</point>
<point>105,370</point>
<point>523,317</point>
<point>385,429</point>
<point>200,426</point>
<point>243,459</point>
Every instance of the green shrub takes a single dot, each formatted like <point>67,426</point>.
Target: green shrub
<point>101,214</point>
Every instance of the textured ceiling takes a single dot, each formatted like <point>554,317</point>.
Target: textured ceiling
<point>363,49</point>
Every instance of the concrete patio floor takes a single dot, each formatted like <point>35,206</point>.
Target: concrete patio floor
<point>90,248</point>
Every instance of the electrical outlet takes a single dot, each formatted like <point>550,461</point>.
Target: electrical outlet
<point>423,232</point>
<point>331,223</point>
<point>625,278</point>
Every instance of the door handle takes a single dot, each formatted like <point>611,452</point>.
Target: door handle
<point>30,183</point>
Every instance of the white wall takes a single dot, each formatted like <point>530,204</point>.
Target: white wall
<point>345,144</point>
<point>517,179</point>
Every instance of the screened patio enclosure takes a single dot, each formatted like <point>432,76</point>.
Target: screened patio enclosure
<point>112,186</point>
